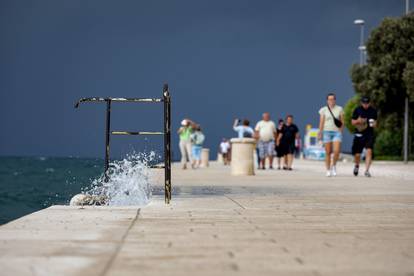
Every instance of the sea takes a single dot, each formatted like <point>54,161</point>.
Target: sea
<point>29,184</point>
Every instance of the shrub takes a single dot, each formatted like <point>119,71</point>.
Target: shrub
<point>388,143</point>
<point>348,110</point>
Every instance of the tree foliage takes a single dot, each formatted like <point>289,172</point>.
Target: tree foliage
<point>388,78</point>
<point>408,77</point>
<point>348,110</point>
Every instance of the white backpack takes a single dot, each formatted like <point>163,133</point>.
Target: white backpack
<point>198,138</point>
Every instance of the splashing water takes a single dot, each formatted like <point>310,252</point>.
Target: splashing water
<point>129,181</point>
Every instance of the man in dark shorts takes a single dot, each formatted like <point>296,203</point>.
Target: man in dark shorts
<point>364,119</point>
<point>287,138</point>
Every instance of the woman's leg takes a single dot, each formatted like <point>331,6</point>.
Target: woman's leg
<point>194,157</point>
<point>183,154</point>
<point>336,151</point>
<point>199,155</point>
<point>328,150</point>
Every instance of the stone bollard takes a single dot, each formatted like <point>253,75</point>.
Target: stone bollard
<point>219,158</point>
<point>242,161</point>
<point>205,156</point>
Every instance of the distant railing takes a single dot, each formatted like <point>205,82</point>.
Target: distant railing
<point>166,99</point>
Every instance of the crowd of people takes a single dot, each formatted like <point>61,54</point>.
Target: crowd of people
<point>277,141</point>
<point>283,140</point>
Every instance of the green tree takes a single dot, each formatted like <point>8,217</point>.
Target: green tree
<point>388,78</point>
<point>348,110</point>
<point>408,77</point>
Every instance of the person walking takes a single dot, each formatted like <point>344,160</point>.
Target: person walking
<point>364,118</point>
<point>265,133</point>
<point>244,130</point>
<point>331,123</point>
<point>225,151</point>
<point>288,136</point>
<point>197,140</point>
<point>278,148</point>
<point>184,133</point>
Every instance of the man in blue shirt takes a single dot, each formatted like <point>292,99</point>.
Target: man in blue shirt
<point>243,130</point>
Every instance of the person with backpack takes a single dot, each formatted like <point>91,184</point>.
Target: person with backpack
<point>244,130</point>
<point>331,124</point>
<point>197,140</point>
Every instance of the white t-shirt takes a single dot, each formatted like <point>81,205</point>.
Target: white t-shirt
<point>266,130</point>
<point>224,147</point>
<point>329,121</point>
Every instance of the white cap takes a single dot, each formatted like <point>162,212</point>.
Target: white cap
<point>184,122</point>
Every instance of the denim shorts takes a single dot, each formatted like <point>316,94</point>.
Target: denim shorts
<point>331,136</point>
<point>196,152</point>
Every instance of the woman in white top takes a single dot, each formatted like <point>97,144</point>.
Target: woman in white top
<point>331,124</point>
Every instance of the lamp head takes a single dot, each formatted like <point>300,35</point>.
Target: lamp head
<point>359,22</point>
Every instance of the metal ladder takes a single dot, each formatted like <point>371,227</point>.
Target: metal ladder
<point>166,99</point>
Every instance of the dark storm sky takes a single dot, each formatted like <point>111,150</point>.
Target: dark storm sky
<point>222,59</point>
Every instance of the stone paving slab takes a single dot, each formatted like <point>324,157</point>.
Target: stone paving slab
<point>273,223</point>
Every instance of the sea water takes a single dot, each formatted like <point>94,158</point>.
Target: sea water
<point>28,184</point>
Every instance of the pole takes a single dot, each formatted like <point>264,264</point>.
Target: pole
<point>167,143</point>
<point>365,56</point>
<point>406,131</point>
<point>406,111</point>
<point>361,44</point>
<point>107,137</point>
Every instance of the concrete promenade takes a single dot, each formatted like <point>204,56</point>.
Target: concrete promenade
<point>273,223</point>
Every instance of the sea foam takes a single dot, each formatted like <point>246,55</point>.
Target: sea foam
<point>128,182</point>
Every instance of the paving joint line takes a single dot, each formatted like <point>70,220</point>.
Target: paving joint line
<point>120,245</point>
<point>236,202</point>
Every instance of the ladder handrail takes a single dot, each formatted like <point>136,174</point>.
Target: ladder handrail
<point>117,132</point>
<point>166,99</point>
<point>101,99</point>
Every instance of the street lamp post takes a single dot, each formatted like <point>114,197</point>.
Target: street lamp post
<point>363,50</point>
<point>407,10</point>
<point>361,47</point>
